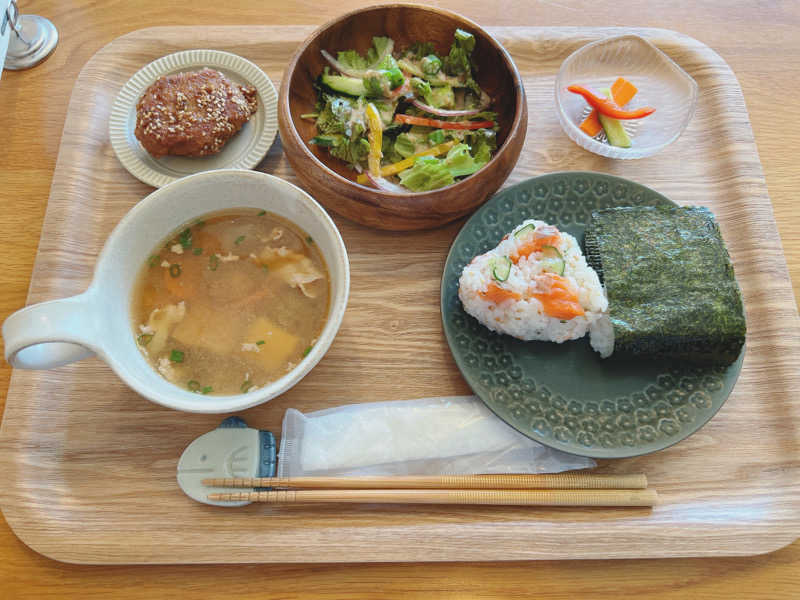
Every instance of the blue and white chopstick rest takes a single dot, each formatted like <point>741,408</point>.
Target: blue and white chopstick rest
<point>231,450</point>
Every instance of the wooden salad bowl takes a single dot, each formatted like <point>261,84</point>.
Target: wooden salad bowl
<point>332,182</point>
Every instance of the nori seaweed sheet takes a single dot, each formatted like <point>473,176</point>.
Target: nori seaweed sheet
<point>671,289</point>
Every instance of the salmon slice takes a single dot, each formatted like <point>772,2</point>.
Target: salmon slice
<point>558,298</point>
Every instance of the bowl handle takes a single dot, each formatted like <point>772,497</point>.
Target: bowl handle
<point>52,334</point>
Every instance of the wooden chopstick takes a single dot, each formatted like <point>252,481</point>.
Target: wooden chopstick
<point>645,497</point>
<point>561,481</point>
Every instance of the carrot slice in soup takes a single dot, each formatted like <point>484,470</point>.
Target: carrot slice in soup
<point>183,281</point>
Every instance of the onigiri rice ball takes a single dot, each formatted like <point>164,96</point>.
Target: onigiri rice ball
<point>536,285</point>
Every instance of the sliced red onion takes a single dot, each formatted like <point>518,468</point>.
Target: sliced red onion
<point>385,185</point>
<point>441,112</point>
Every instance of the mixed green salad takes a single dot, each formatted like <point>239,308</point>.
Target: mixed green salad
<point>407,120</point>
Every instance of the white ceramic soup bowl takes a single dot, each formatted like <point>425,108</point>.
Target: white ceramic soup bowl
<point>99,321</point>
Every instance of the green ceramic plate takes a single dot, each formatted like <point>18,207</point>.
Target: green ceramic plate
<point>564,395</point>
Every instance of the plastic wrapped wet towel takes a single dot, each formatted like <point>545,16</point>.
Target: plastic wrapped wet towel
<point>456,435</point>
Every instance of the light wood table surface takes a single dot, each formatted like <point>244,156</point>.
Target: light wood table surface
<point>758,40</point>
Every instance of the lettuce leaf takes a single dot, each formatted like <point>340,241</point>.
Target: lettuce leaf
<point>374,84</point>
<point>379,45</point>
<point>437,136</point>
<point>457,61</point>
<point>428,173</point>
<point>419,50</point>
<point>390,155</point>
<point>482,144</point>
<point>405,145</point>
<point>486,115</point>
<point>421,87</point>
<point>351,151</point>
<point>460,162</point>
<point>329,121</point>
<point>351,59</point>
<point>440,96</point>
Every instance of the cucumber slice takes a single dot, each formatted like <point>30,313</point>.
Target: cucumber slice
<point>553,260</point>
<point>345,85</point>
<point>615,132</point>
<point>410,67</point>
<point>501,268</point>
<point>528,229</point>
<point>326,140</point>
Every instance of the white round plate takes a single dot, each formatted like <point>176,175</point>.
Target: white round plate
<point>243,151</point>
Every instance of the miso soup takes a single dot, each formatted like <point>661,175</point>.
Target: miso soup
<point>231,302</point>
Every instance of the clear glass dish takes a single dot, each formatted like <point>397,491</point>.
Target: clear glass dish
<point>661,84</point>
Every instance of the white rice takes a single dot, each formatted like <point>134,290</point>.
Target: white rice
<point>601,336</point>
<point>525,319</point>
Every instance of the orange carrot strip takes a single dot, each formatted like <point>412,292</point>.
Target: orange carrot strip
<point>591,125</point>
<point>622,91</point>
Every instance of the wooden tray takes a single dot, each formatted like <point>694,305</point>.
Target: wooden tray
<point>88,467</point>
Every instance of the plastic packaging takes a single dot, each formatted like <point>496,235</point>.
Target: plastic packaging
<point>455,435</point>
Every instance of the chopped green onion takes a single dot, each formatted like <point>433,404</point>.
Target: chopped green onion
<point>266,268</point>
<point>153,260</point>
<point>185,238</point>
<point>307,350</point>
<point>213,262</point>
<point>206,389</point>
<point>309,116</point>
<point>176,356</point>
<point>260,342</point>
<point>175,270</point>
<point>262,213</point>
<point>197,251</point>
<point>309,239</point>
<point>193,385</point>
<point>246,385</point>
<point>199,223</point>
<point>239,240</point>
<point>144,339</point>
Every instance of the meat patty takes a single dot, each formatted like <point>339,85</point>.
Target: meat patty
<point>192,114</point>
